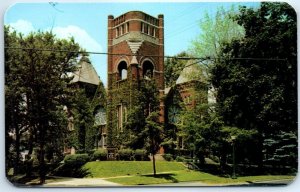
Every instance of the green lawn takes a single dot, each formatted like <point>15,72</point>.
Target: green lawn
<point>187,176</point>
<point>104,169</point>
<point>140,173</point>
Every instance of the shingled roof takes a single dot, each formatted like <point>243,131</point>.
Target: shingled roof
<point>86,72</point>
<point>191,72</point>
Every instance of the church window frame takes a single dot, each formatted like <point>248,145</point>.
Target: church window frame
<point>122,70</point>
<point>148,66</point>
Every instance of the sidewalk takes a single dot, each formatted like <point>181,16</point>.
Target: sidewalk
<point>78,182</point>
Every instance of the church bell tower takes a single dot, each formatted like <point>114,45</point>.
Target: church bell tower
<point>135,53</point>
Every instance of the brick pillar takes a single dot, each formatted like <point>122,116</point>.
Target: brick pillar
<point>109,80</point>
<point>161,53</point>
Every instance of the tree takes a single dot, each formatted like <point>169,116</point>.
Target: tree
<point>173,68</point>
<point>216,30</point>
<point>260,93</point>
<point>41,79</point>
<point>142,121</point>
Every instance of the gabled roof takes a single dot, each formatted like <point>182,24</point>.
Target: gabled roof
<point>191,72</point>
<point>86,72</point>
<point>167,90</point>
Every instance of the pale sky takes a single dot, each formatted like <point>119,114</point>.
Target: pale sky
<point>87,22</point>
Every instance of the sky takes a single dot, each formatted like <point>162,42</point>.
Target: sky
<point>87,22</point>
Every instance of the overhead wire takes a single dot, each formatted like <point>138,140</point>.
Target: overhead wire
<point>164,56</point>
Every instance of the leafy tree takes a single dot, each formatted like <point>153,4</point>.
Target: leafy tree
<point>84,121</point>
<point>260,93</point>
<point>14,112</point>
<point>217,29</point>
<point>142,121</point>
<point>41,80</point>
<point>173,68</point>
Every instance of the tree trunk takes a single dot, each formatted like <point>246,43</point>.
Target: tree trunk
<point>17,143</point>
<point>42,170</point>
<point>153,161</point>
<point>153,153</point>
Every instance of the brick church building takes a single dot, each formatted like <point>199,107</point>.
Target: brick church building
<point>135,54</point>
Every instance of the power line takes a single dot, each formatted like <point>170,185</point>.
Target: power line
<point>164,56</point>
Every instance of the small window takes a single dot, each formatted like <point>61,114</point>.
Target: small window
<point>142,27</point>
<point>146,29</point>
<point>117,32</point>
<point>127,27</point>
<point>121,30</point>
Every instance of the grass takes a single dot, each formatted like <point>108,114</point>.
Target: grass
<point>189,176</point>
<point>140,173</point>
<point>104,169</point>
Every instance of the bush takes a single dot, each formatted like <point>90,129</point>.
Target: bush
<point>168,157</point>
<point>100,154</point>
<point>188,160</point>
<point>72,166</point>
<point>179,159</point>
<point>125,154</point>
<point>140,155</point>
<point>76,159</point>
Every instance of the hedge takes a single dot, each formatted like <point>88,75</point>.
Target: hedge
<point>168,157</point>
<point>76,159</point>
<point>125,154</point>
<point>140,155</point>
<point>100,154</point>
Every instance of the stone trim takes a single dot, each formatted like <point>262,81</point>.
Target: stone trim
<point>135,20</point>
<point>135,35</point>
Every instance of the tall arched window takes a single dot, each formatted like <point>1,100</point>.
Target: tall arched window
<point>148,70</point>
<point>122,69</point>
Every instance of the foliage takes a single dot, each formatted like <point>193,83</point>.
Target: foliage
<point>86,100</point>
<point>197,127</point>
<point>39,80</point>
<point>72,166</point>
<point>281,149</point>
<point>173,68</point>
<point>179,159</point>
<point>76,159</point>
<point>217,29</point>
<point>100,154</point>
<point>168,157</point>
<point>125,154</point>
<point>260,94</point>
<point>83,123</point>
<point>140,155</point>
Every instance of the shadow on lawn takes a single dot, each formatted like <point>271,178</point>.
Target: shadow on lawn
<point>244,170</point>
<point>167,176</point>
<point>66,170</point>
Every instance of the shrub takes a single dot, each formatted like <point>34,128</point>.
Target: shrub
<point>76,159</point>
<point>125,154</point>
<point>72,166</point>
<point>179,159</point>
<point>168,157</point>
<point>100,154</point>
<point>140,155</point>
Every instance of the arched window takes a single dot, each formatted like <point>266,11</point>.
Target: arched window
<point>122,69</point>
<point>148,70</point>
